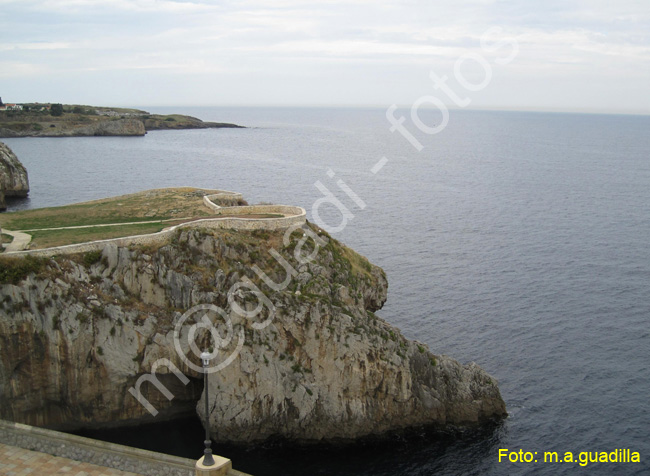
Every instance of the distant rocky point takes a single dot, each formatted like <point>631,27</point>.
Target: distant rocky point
<point>57,120</point>
<point>13,176</point>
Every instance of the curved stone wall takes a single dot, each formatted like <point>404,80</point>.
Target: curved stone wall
<point>207,199</point>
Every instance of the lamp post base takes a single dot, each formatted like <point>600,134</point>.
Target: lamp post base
<point>220,467</point>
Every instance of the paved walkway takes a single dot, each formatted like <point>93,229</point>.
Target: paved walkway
<point>19,462</point>
<point>20,243</point>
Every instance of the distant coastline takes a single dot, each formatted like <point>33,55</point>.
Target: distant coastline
<point>64,120</point>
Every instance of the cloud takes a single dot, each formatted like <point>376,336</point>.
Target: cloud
<point>9,69</point>
<point>90,6</point>
<point>372,41</point>
<point>35,46</point>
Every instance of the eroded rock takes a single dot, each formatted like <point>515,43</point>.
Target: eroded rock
<point>13,175</point>
<point>75,337</point>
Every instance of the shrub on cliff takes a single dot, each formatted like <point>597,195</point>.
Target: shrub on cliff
<point>56,109</point>
<point>92,257</point>
<point>14,270</point>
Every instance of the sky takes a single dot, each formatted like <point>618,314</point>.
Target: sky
<point>561,55</point>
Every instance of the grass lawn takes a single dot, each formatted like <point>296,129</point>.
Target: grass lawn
<point>150,205</point>
<point>49,238</point>
<point>113,217</point>
<point>172,204</point>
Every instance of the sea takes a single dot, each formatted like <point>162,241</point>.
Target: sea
<point>517,240</point>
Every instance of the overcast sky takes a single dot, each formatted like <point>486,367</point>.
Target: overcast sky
<point>573,55</point>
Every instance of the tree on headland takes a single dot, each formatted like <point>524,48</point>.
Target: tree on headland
<point>56,109</point>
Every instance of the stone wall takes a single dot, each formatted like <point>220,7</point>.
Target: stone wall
<point>207,199</point>
<point>101,453</point>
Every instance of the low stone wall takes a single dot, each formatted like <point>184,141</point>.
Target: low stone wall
<point>207,199</point>
<point>293,216</point>
<point>288,210</point>
<point>101,453</point>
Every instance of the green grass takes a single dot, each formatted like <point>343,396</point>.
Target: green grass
<point>71,217</point>
<point>359,263</point>
<point>152,210</point>
<point>49,238</point>
<point>14,270</point>
<point>170,121</point>
<point>120,110</point>
<point>151,205</point>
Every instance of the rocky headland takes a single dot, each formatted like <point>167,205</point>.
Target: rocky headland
<point>78,331</point>
<point>13,176</point>
<point>83,121</point>
<point>158,123</point>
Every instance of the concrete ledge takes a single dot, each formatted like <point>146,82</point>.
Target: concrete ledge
<point>221,467</point>
<point>101,453</point>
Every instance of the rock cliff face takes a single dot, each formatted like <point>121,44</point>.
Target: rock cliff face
<point>13,175</point>
<point>316,363</point>
<point>119,127</point>
<point>114,127</point>
<point>157,122</point>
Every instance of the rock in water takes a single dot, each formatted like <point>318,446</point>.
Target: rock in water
<point>13,175</point>
<point>77,332</point>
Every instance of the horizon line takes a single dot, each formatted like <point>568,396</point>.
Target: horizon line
<point>490,108</point>
<point>406,106</point>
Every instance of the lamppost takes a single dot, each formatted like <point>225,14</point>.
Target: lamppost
<point>208,460</point>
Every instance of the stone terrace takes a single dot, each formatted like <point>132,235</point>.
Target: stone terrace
<point>28,449</point>
<point>18,462</point>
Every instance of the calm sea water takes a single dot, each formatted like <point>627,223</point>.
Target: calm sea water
<point>517,240</point>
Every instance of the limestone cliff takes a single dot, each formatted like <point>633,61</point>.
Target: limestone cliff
<point>91,121</point>
<point>157,122</point>
<point>117,127</point>
<point>13,175</point>
<point>77,332</point>
<point>112,127</point>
